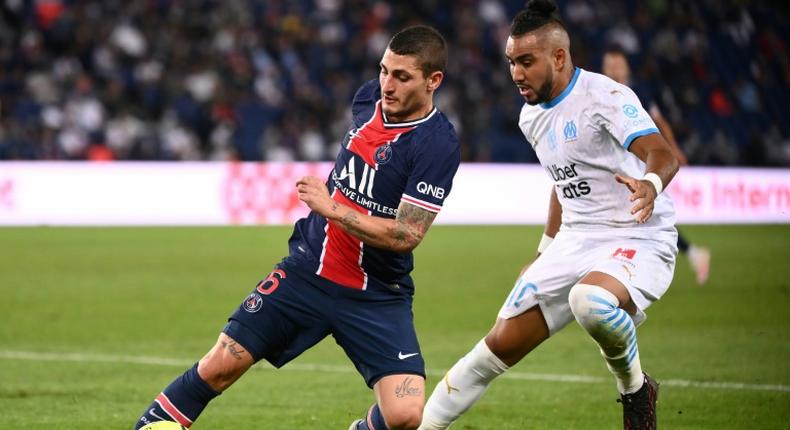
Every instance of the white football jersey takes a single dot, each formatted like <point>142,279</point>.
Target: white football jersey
<point>581,138</point>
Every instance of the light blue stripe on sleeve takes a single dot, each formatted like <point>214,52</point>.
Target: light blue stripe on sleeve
<point>630,139</point>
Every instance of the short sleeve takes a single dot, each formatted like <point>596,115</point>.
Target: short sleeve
<point>435,162</point>
<point>619,111</point>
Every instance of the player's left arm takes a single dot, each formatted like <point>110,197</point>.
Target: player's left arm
<point>401,234</point>
<point>661,167</point>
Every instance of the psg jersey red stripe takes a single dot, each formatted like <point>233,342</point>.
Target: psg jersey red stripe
<point>373,134</point>
<point>341,257</point>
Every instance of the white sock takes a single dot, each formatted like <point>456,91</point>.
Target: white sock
<point>596,310</point>
<point>461,387</point>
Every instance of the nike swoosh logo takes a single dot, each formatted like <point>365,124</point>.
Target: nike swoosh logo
<point>151,411</point>
<point>403,356</point>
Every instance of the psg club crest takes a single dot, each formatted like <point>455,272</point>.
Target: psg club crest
<point>383,154</point>
<point>252,303</point>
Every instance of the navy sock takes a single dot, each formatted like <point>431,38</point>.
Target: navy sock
<point>182,401</point>
<point>374,420</point>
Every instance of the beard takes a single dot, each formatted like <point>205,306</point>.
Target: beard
<point>543,93</point>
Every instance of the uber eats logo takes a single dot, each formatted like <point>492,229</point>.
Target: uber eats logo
<point>572,189</point>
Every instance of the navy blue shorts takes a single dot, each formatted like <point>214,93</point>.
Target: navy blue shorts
<point>292,310</point>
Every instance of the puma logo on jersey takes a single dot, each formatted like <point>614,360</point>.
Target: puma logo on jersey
<point>628,271</point>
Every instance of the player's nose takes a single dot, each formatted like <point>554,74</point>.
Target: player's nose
<point>387,85</point>
<point>517,75</point>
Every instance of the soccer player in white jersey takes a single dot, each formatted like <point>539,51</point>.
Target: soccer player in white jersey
<point>609,245</point>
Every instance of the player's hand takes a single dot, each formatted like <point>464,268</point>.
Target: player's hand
<point>314,193</point>
<point>643,192</point>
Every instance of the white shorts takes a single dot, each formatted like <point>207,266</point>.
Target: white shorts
<point>644,266</point>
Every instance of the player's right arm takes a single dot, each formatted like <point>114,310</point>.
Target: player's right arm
<point>554,219</point>
<point>401,234</point>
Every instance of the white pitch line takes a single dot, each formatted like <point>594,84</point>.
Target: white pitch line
<point>309,367</point>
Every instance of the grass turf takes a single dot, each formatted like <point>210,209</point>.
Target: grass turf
<point>95,321</point>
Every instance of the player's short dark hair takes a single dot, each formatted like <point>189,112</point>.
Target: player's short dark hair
<point>423,42</point>
<point>536,14</point>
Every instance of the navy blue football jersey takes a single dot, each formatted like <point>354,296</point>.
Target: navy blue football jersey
<point>380,165</point>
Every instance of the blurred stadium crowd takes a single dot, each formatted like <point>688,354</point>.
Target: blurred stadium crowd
<point>272,80</point>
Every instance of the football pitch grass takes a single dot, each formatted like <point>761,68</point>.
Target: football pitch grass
<point>95,321</point>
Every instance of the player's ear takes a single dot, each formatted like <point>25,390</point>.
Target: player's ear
<point>434,80</point>
<point>559,58</point>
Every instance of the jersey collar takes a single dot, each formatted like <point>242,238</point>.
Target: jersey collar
<point>409,123</point>
<point>556,100</point>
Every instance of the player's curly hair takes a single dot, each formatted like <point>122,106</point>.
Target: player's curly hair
<point>424,42</point>
<point>536,14</point>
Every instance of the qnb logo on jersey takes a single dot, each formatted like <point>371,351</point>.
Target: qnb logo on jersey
<point>570,131</point>
<point>571,190</point>
<point>430,190</point>
<point>365,184</point>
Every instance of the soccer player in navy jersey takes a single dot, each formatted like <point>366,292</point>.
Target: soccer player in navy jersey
<point>348,269</point>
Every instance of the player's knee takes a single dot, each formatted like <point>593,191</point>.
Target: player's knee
<point>502,346</point>
<point>591,305</point>
<point>404,418</point>
<point>512,339</point>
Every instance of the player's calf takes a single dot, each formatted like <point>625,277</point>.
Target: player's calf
<point>182,401</point>
<point>185,398</point>
<point>597,311</point>
<point>224,363</point>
